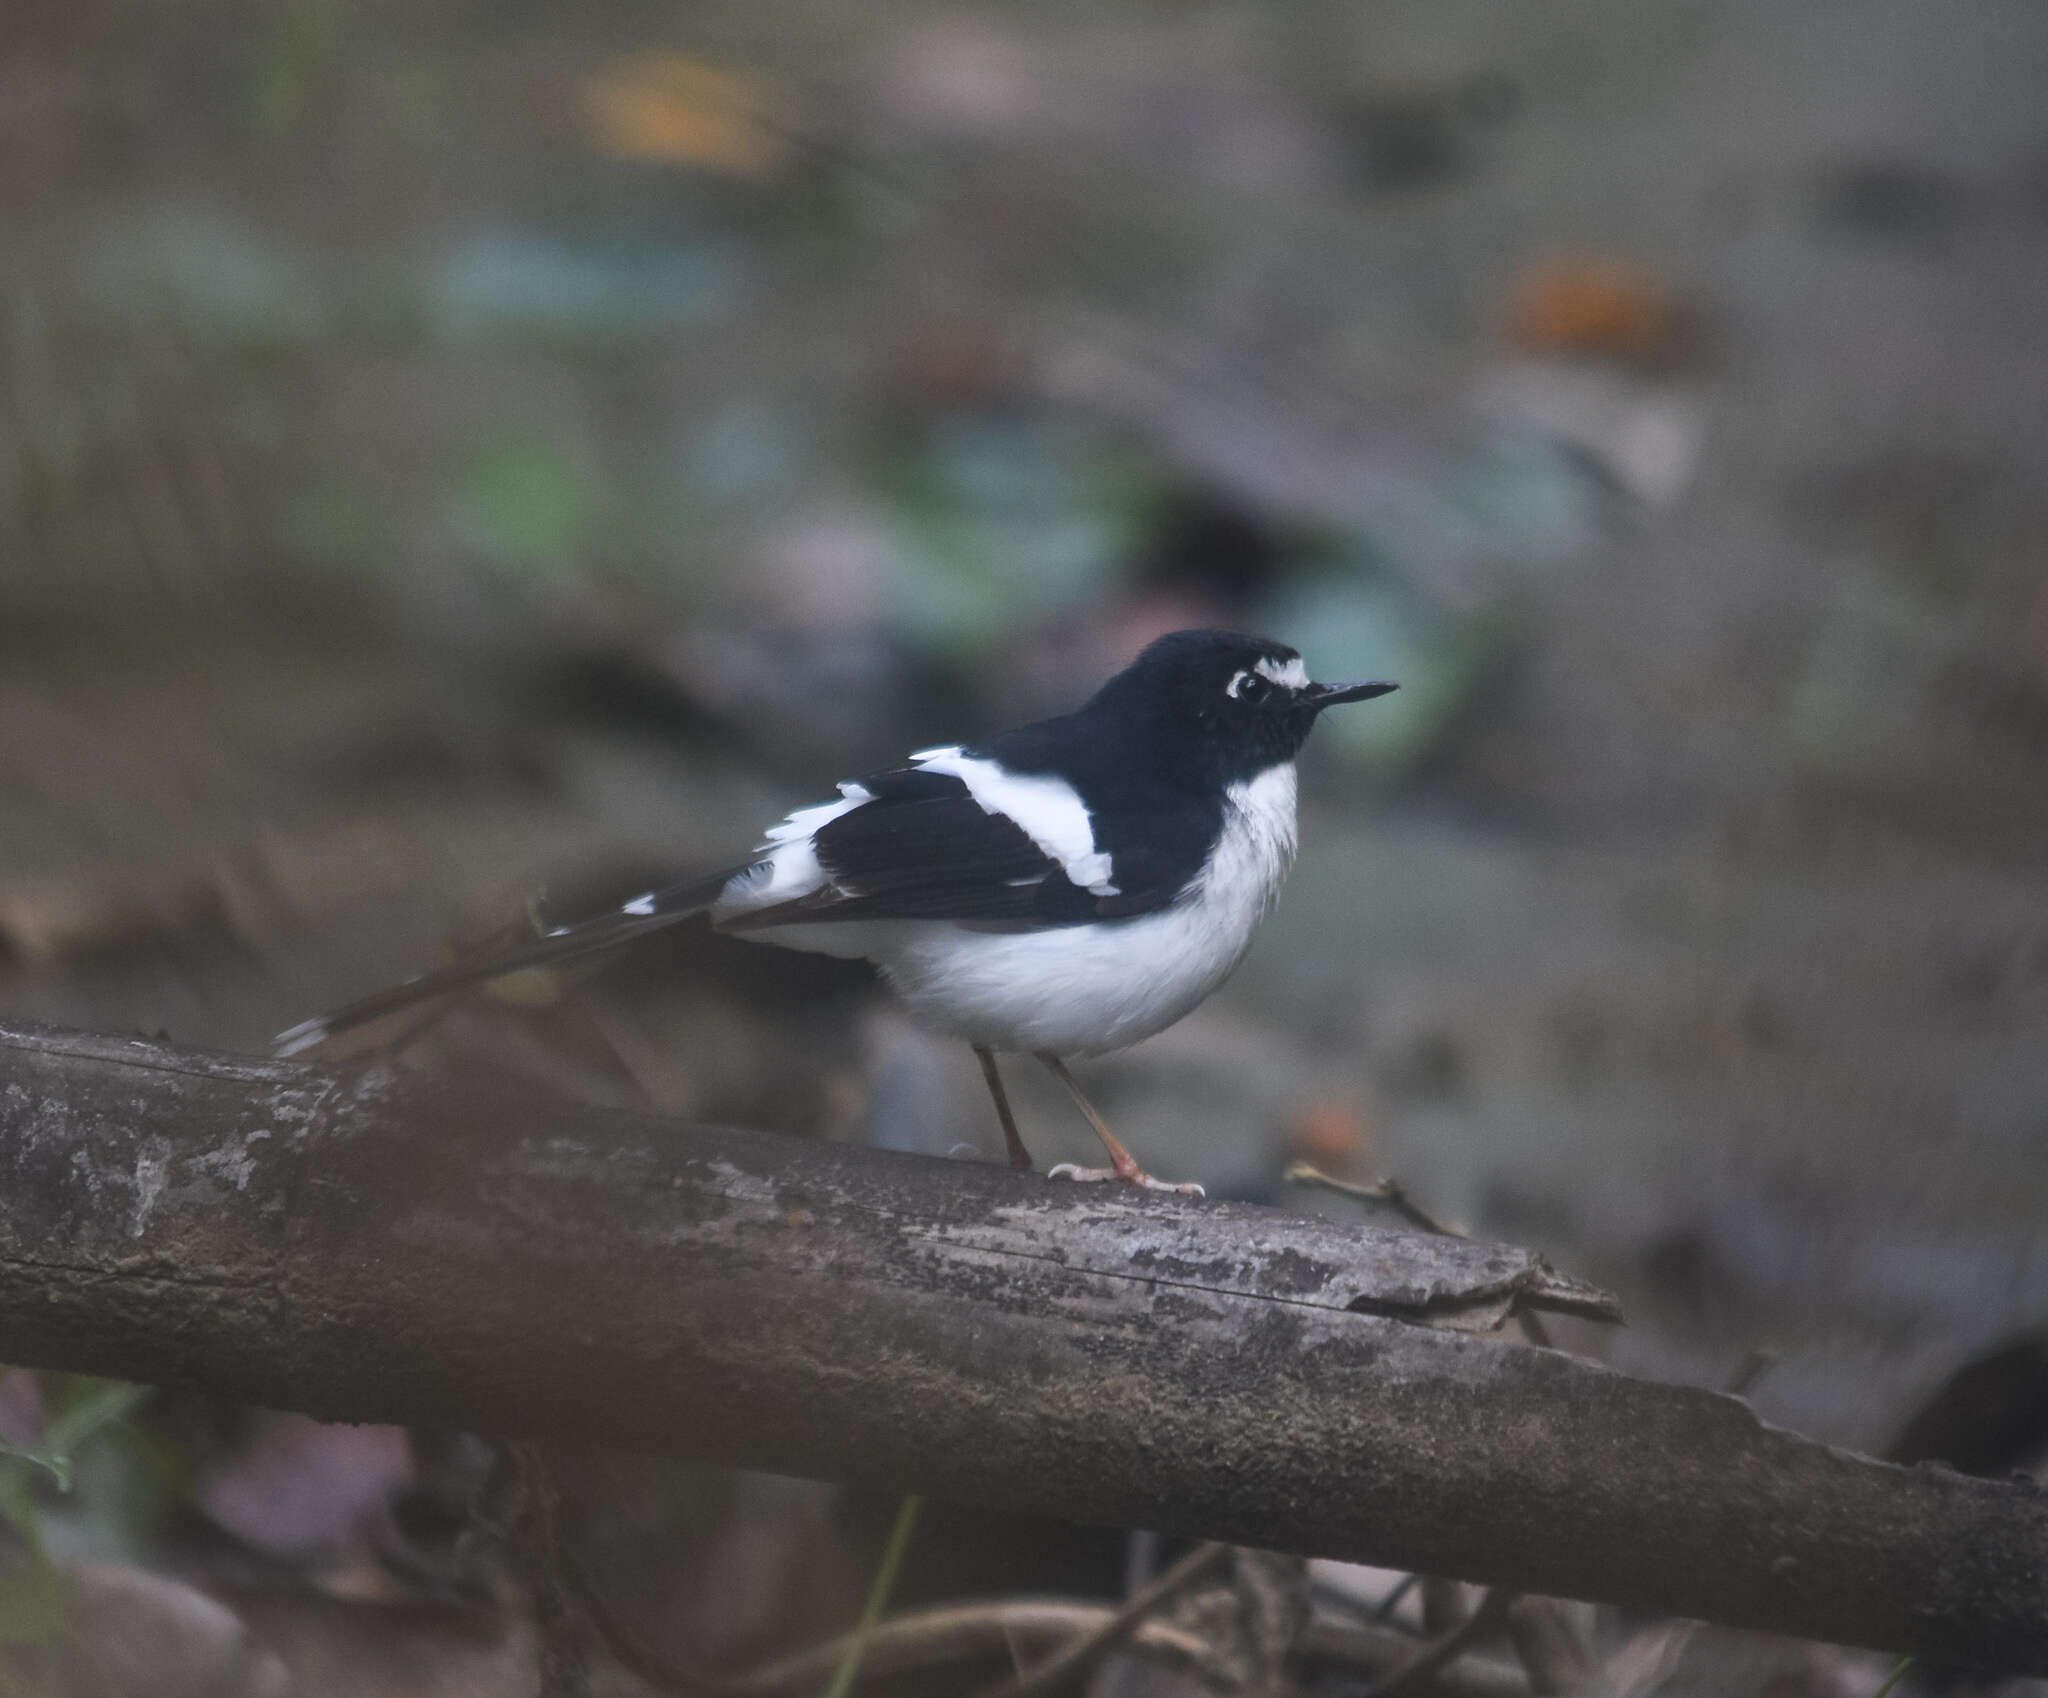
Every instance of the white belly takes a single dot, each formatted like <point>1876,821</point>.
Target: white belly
<point>1080,990</point>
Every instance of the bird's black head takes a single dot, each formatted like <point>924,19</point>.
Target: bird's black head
<point>1243,704</point>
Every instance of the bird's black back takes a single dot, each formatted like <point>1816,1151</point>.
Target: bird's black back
<point>1152,757</point>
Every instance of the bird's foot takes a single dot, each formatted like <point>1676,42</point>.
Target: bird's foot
<point>1136,1176</point>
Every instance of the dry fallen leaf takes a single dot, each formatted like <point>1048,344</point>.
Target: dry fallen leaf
<point>672,109</point>
<point>1330,1132</point>
<point>1589,304</point>
<point>94,909</point>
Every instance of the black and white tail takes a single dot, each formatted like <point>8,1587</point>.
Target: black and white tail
<point>652,912</point>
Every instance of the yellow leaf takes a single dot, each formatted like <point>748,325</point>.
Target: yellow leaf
<point>525,987</point>
<point>675,110</point>
<point>35,1604</point>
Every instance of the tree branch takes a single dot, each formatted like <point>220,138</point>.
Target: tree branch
<point>369,1247</point>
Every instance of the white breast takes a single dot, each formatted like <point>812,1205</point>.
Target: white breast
<point>1080,990</point>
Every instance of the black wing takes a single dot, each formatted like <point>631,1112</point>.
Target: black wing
<point>924,849</point>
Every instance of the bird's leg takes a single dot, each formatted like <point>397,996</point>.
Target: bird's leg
<point>1020,1157</point>
<point>1122,1164</point>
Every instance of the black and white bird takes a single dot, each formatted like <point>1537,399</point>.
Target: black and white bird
<point>1062,889</point>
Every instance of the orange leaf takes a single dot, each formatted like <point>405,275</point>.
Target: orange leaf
<point>1591,305</point>
<point>671,109</point>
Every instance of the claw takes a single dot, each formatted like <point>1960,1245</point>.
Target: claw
<point>1090,1175</point>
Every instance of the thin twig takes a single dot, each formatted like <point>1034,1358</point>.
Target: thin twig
<point>949,1635</point>
<point>1366,1653</point>
<point>1084,1654</point>
<point>1760,1361</point>
<point>1384,1610</point>
<point>1550,1647</point>
<point>1414,1675</point>
<point>915,1642</point>
<point>1390,1192</point>
<point>1387,1191</point>
<point>1377,1612</point>
<point>534,1528</point>
<point>627,1646</point>
<point>1444,1604</point>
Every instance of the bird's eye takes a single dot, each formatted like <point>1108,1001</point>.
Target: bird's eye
<point>1247,687</point>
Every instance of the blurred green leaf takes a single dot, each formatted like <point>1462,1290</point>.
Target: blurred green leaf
<point>116,1480</point>
<point>522,504</point>
<point>304,39</point>
<point>209,272</point>
<point>891,1565</point>
<point>1534,488</point>
<point>745,453</point>
<point>519,282</point>
<point>1007,518</point>
<point>1875,654</point>
<point>1359,618</point>
<point>18,1502</point>
<point>35,1604</point>
<point>329,522</point>
<point>419,95</point>
<point>121,1494</point>
<point>94,1406</point>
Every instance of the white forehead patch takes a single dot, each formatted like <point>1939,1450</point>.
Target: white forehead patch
<point>1288,674</point>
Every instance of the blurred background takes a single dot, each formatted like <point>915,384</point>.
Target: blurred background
<point>455,457</point>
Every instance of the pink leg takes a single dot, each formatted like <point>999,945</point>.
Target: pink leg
<point>1122,1164</point>
<point>1020,1157</point>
